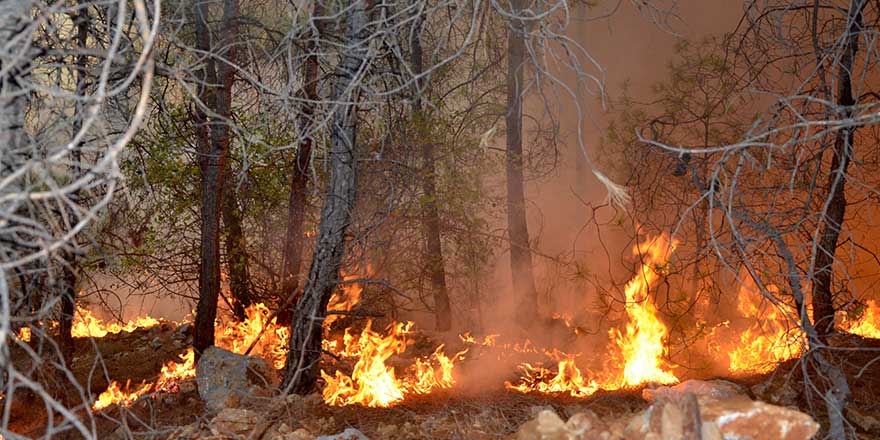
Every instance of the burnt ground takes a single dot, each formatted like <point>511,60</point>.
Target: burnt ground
<point>139,355</point>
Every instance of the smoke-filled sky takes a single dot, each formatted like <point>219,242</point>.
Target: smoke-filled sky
<point>632,48</point>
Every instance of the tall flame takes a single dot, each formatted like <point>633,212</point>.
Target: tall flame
<point>641,344</point>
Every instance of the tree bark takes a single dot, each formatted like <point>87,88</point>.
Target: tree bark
<point>431,216</point>
<point>236,251</point>
<point>301,366</point>
<point>822,295</point>
<point>213,140</point>
<point>517,228</point>
<point>299,174</point>
<point>71,266</point>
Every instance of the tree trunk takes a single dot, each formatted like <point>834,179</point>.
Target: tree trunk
<point>236,251</point>
<point>301,366</point>
<point>213,141</point>
<point>431,215</point>
<point>71,266</point>
<point>517,228</point>
<point>823,297</point>
<point>299,175</point>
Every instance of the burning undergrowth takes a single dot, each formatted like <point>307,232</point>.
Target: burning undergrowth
<point>382,363</point>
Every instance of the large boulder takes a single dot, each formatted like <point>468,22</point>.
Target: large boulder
<point>226,379</point>
<point>744,419</point>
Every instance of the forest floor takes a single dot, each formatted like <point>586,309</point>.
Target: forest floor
<point>138,357</point>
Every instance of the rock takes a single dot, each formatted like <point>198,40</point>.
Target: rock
<point>284,432</point>
<point>187,386</point>
<point>225,379</point>
<point>187,432</point>
<point>715,389</point>
<point>867,423</point>
<point>156,343</point>
<point>233,422</point>
<point>348,434</point>
<point>744,419</point>
<point>549,426</point>
<point>183,331</point>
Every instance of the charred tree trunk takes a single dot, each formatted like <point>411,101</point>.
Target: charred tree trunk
<point>823,297</point>
<point>431,216</point>
<point>71,266</point>
<point>301,366</point>
<point>213,140</point>
<point>236,251</point>
<point>299,175</point>
<point>517,228</point>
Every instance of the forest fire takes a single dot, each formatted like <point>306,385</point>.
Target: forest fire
<point>769,340</point>
<point>567,380</point>
<point>172,373</point>
<point>868,324</point>
<point>85,324</point>
<point>379,377</point>
<point>642,345</point>
<point>373,382</point>
<point>257,334</point>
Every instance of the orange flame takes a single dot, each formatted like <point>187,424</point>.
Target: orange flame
<point>85,324</point>
<point>237,337</point>
<point>374,383</point>
<point>24,334</point>
<point>172,373</point>
<point>344,302</point>
<point>769,340</point>
<point>568,379</point>
<point>868,324</point>
<point>115,395</point>
<point>642,343</point>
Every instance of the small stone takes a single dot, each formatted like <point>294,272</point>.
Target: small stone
<point>156,343</point>
<point>187,386</point>
<point>348,434</point>
<point>868,423</point>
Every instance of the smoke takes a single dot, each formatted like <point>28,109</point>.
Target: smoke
<point>581,257</point>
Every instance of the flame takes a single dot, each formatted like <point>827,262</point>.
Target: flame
<point>85,324</point>
<point>344,302</point>
<point>171,375</point>
<point>24,334</point>
<point>769,340</point>
<point>641,344</point>
<point>868,324</point>
<point>237,337</point>
<point>568,379</point>
<point>375,383</point>
<point>115,395</point>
